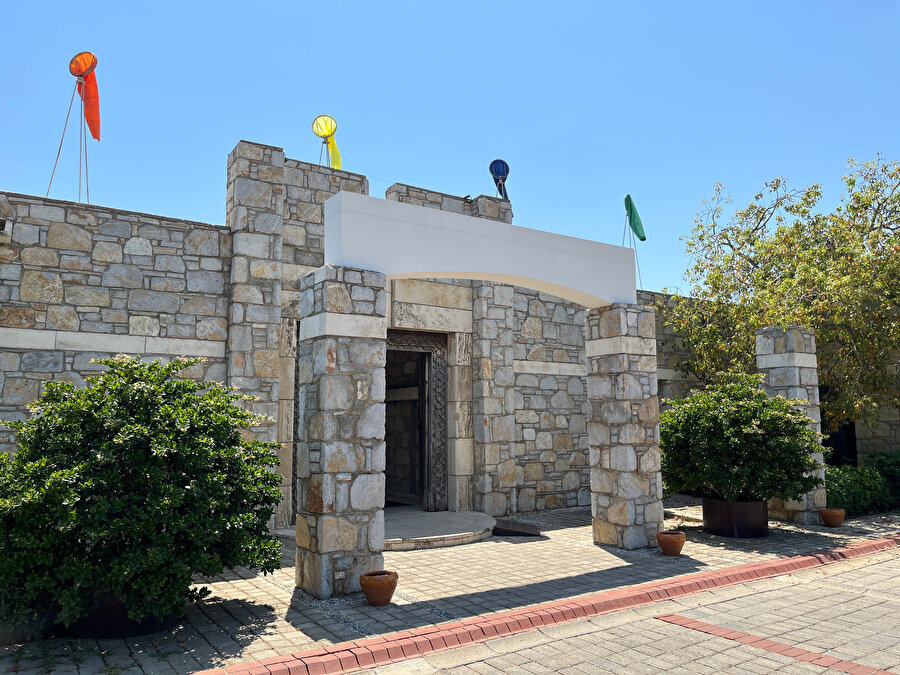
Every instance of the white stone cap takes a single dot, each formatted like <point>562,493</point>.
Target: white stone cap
<point>406,242</point>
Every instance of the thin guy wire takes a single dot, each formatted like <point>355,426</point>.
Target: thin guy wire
<point>80,144</point>
<point>52,173</point>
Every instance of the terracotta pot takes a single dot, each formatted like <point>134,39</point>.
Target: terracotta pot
<point>378,586</point>
<point>832,517</point>
<point>735,519</point>
<point>670,542</point>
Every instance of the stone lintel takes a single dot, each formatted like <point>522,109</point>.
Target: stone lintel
<point>621,344</point>
<point>549,368</point>
<point>343,325</point>
<point>25,338</point>
<point>796,359</point>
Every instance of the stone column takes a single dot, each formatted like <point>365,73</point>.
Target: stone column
<point>340,429</point>
<point>623,425</point>
<point>494,401</point>
<point>254,211</point>
<point>787,358</point>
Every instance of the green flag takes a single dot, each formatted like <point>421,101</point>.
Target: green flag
<point>634,219</point>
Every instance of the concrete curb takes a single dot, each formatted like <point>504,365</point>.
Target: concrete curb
<point>348,657</point>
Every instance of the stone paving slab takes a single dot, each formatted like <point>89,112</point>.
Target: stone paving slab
<point>251,616</point>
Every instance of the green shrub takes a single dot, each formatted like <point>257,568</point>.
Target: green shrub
<point>856,489</point>
<point>127,488</point>
<point>733,442</point>
<point>888,465</point>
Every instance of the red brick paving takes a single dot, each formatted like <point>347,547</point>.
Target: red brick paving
<point>347,657</point>
<point>769,645</point>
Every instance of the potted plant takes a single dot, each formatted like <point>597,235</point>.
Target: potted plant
<point>671,541</point>
<point>736,447</point>
<point>123,490</point>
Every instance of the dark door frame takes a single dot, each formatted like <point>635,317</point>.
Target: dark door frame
<point>434,344</point>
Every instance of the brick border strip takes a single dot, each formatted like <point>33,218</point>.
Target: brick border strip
<point>816,658</point>
<point>378,651</point>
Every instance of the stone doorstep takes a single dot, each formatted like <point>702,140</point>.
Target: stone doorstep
<point>377,651</point>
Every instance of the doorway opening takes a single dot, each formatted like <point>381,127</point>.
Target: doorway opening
<point>415,420</point>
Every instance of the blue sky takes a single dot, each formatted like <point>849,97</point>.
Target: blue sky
<point>587,102</point>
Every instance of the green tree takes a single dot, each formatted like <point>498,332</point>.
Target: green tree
<point>126,489</point>
<point>782,261</point>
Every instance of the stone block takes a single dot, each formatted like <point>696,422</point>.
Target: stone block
<point>621,512</point>
<point>152,301</point>
<point>40,256</point>
<point>367,492</point>
<point>123,276</point>
<point>42,362</point>
<point>506,473</point>
<point>20,391</point>
<point>371,422</point>
<point>202,242</point>
<point>41,287</point>
<point>495,504</point>
<point>143,325</point>
<point>84,296</point>
<point>68,237</point>
<point>16,317</point>
<point>212,329</point>
<point>107,252</point>
<point>605,532</point>
<point>62,317</point>
<point>622,458</point>
<point>336,534</point>
<point>265,362</point>
<point>205,282</point>
<point>601,480</point>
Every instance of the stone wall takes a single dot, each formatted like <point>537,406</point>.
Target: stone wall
<point>79,282</point>
<point>670,349</point>
<point>884,436</point>
<point>482,206</point>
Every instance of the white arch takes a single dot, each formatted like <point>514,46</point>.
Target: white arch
<point>405,241</point>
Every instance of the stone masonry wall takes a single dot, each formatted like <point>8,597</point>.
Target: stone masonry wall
<point>529,401</point>
<point>482,206</point>
<point>79,282</point>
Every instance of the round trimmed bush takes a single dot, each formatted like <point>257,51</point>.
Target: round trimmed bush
<point>127,488</point>
<point>731,441</point>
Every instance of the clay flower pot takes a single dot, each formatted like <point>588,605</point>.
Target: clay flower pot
<point>670,541</point>
<point>832,517</point>
<point>378,586</point>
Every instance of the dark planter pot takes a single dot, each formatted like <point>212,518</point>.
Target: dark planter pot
<point>110,620</point>
<point>832,517</point>
<point>735,519</point>
<point>671,541</point>
<point>378,586</point>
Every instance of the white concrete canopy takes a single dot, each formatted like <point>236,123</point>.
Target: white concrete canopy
<point>414,242</point>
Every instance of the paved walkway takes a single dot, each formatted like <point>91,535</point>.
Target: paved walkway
<point>842,618</point>
<point>254,617</point>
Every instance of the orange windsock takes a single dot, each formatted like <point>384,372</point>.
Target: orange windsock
<point>82,66</point>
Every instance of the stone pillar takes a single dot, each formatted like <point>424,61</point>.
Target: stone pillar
<point>623,425</point>
<point>460,444</point>
<point>494,401</point>
<point>787,358</point>
<point>340,429</point>
<point>255,203</point>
